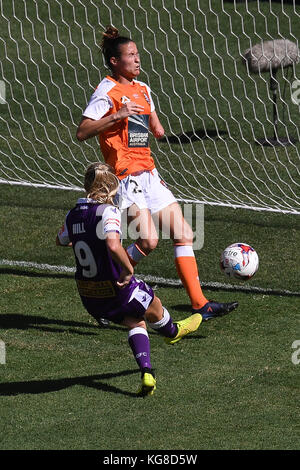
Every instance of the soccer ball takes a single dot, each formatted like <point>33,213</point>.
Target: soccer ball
<point>240,261</point>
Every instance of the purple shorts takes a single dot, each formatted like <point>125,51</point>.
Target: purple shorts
<point>132,301</point>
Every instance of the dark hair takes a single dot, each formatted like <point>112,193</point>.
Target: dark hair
<point>111,42</point>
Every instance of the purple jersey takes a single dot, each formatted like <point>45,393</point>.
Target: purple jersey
<point>96,274</point>
<point>87,224</point>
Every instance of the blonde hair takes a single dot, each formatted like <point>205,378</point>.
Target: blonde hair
<point>100,183</point>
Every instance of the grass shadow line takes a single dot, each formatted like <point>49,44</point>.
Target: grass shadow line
<point>193,136</point>
<point>33,387</point>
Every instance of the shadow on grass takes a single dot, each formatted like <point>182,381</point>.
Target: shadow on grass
<point>25,322</point>
<point>54,385</point>
<point>191,136</point>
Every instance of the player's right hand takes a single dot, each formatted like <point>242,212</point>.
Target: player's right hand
<point>124,279</point>
<point>128,109</point>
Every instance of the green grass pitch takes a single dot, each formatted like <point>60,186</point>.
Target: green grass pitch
<point>69,385</point>
<point>65,383</point>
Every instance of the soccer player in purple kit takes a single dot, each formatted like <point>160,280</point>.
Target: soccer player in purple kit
<point>104,274</point>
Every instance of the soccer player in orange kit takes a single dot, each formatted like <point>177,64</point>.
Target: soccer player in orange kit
<point>121,112</point>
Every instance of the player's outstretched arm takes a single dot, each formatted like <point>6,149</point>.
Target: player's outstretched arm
<point>88,128</point>
<point>58,243</point>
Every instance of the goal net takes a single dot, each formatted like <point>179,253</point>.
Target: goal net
<point>231,138</point>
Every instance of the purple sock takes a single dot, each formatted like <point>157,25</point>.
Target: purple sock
<point>165,326</point>
<point>139,342</point>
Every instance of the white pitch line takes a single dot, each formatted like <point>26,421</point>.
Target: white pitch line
<point>193,201</point>
<point>155,279</point>
<point>43,267</point>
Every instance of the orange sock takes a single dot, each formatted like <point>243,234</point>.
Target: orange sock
<point>187,270</point>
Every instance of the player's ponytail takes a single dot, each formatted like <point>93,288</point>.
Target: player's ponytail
<point>100,183</point>
<point>110,44</point>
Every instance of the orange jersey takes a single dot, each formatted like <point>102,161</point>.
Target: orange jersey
<point>125,146</point>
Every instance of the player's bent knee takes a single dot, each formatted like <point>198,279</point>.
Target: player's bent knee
<point>148,245</point>
<point>154,312</point>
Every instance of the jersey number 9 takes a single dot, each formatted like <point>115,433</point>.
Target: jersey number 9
<point>86,259</point>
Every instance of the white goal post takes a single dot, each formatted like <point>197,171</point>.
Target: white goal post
<point>232,126</point>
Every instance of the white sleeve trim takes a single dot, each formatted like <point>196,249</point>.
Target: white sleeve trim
<point>100,103</point>
<point>111,219</point>
<point>98,106</point>
<point>152,106</point>
<point>63,234</point>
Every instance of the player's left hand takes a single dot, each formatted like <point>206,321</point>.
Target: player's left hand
<point>159,132</point>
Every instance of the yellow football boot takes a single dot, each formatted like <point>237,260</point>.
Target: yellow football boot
<point>186,326</point>
<point>148,385</point>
